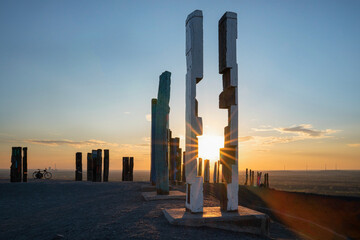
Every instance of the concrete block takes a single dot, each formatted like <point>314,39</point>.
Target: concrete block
<point>243,220</point>
<point>173,195</point>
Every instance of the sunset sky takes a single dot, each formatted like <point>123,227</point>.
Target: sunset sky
<point>80,75</point>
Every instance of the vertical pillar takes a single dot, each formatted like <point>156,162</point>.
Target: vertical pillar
<point>215,173</point>
<point>125,169</point>
<point>172,158</point>
<point>94,162</point>
<point>162,134</point>
<point>90,169</point>
<point>106,165</point>
<point>153,131</point>
<point>178,161</point>
<point>246,177</point>
<point>200,170</point>
<point>175,160</point>
<point>194,64</point>
<point>25,173</point>
<point>206,170</point>
<point>228,99</point>
<point>183,174</point>
<point>78,165</point>
<point>98,165</point>
<point>15,169</point>
<point>131,169</point>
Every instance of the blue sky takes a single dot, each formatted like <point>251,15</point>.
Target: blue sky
<point>74,71</point>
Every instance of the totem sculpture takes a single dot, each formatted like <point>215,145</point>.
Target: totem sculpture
<point>228,99</point>
<point>153,127</point>
<point>106,165</point>
<point>194,63</point>
<point>78,165</point>
<point>25,168</point>
<point>246,177</point>
<point>207,170</point>
<point>16,165</point>
<point>90,167</point>
<point>175,160</point>
<point>215,172</point>
<point>162,135</point>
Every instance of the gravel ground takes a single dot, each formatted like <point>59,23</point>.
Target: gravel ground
<point>88,210</point>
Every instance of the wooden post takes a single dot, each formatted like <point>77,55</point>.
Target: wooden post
<point>153,131</point>
<point>246,177</point>
<point>215,173</point>
<point>94,162</point>
<point>25,173</point>
<point>178,164</point>
<point>250,177</point>
<point>15,172</point>
<point>131,169</point>
<point>78,164</point>
<point>183,174</point>
<point>206,170</point>
<point>98,166</point>
<point>200,167</point>
<point>90,167</point>
<point>125,169</point>
<point>106,165</point>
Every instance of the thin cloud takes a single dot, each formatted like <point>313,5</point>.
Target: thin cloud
<point>126,113</point>
<point>246,138</point>
<point>91,142</point>
<point>306,129</point>
<point>299,133</point>
<point>302,129</point>
<point>354,144</point>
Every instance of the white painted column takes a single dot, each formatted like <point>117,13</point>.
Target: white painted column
<point>194,63</point>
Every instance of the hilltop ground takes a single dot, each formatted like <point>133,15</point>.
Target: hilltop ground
<point>87,210</point>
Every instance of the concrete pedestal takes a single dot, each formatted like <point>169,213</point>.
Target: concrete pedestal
<point>150,188</point>
<point>242,220</point>
<point>173,195</point>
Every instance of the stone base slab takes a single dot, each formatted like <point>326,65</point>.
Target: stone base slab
<point>243,220</point>
<point>150,188</point>
<point>173,195</point>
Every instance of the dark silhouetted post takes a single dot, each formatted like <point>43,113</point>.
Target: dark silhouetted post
<point>15,172</point>
<point>25,165</point>
<point>94,162</point>
<point>78,171</point>
<point>106,165</point>
<point>183,174</point>
<point>125,169</point>
<point>153,131</point>
<point>175,160</point>
<point>162,134</point>
<point>206,170</point>
<point>200,167</point>
<point>90,167</point>
<point>178,163</point>
<point>98,166</point>
<point>131,169</point>
<point>215,173</point>
<point>246,177</point>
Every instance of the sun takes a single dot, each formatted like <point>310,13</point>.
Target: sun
<point>209,147</point>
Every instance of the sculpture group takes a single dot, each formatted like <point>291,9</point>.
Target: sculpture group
<point>162,158</point>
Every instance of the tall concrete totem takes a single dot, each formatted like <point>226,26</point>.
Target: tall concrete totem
<point>194,64</point>
<point>228,99</point>
<point>162,135</point>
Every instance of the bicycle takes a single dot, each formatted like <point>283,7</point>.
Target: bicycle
<point>42,174</point>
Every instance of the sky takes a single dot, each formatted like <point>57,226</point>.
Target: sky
<point>80,75</point>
